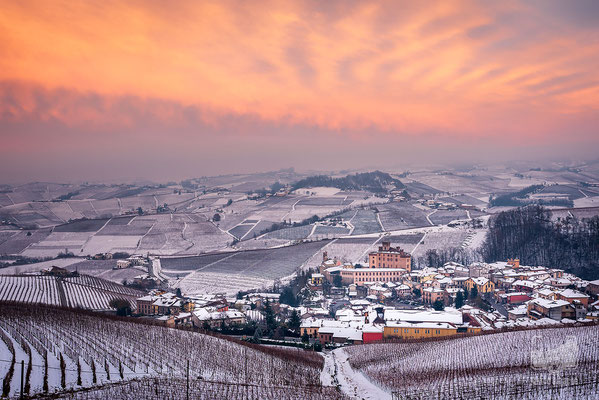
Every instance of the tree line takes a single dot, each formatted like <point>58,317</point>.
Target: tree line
<point>530,234</point>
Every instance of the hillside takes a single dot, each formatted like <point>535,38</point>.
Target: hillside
<point>98,351</point>
<point>376,182</point>
<point>535,364</point>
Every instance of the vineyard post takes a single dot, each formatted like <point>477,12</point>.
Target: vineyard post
<point>22,372</point>
<point>187,380</point>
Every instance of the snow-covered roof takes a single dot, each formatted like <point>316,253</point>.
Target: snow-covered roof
<point>573,294</point>
<point>549,303</point>
<point>449,315</point>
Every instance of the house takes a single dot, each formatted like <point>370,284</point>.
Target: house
<point>483,285</point>
<point>372,333</point>
<point>331,334</point>
<point>593,287</point>
<point>514,298</point>
<point>517,312</point>
<point>121,264</point>
<point>431,295</point>
<point>215,319</point>
<point>159,304</point>
<point>553,309</point>
<point>573,296</point>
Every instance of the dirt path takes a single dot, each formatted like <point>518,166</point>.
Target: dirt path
<point>337,372</point>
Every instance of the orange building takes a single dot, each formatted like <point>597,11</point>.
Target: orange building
<point>390,257</point>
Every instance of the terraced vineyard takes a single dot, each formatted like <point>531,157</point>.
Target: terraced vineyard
<point>83,291</point>
<point>234,271</point>
<point>536,364</point>
<point>66,350</point>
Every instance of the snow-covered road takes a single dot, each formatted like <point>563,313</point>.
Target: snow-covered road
<point>338,372</point>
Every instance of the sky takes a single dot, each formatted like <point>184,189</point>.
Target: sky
<point>104,89</point>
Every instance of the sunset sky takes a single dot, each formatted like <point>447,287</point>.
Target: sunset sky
<point>102,89</point>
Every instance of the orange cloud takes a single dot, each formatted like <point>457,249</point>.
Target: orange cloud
<point>465,68</point>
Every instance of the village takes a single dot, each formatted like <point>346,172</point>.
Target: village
<point>386,299</point>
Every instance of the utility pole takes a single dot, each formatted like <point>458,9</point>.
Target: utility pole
<point>187,379</point>
<point>22,373</point>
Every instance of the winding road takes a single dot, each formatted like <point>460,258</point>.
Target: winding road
<point>338,372</point>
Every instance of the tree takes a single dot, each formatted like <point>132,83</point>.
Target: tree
<point>466,293</point>
<point>459,300</point>
<point>337,280</point>
<point>140,211</point>
<point>305,337</point>
<point>287,297</point>
<point>269,317</point>
<point>122,306</point>
<point>417,292</point>
<point>474,292</point>
<point>294,321</point>
<point>438,305</point>
<point>229,202</point>
<point>178,292</point>
<point>216,217</point>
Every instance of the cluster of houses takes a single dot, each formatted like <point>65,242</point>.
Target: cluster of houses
<point>385,299</point>
<point>523,295</point>
<point>209,311</point>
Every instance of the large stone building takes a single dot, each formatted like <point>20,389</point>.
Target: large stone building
<point>390,257</point>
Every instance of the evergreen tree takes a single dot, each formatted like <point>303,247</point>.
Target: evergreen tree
<point>294,321</point>
<point>438,305</point>
<point>269,317</point>
<point>305,337</point>
<point>459,300</point>
<point>474,292</point>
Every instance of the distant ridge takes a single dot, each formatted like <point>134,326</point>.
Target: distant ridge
<point>375,182</point>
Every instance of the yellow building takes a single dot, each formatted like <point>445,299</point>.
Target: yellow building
<point>482,284</point>
<point>424,330</point>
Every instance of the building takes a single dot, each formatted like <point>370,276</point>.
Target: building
<point>573,297</point>
<point>431,295</point>
<point>554,309</point>
<point>215,319</point>
<point>160,304</point>
<point>360,276</point>
<point>424,330</point>
<point>593,287</point>
<point>390,257</point>
<point>483,285</point>
<point>372,333</point>
<point>121,264</point>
